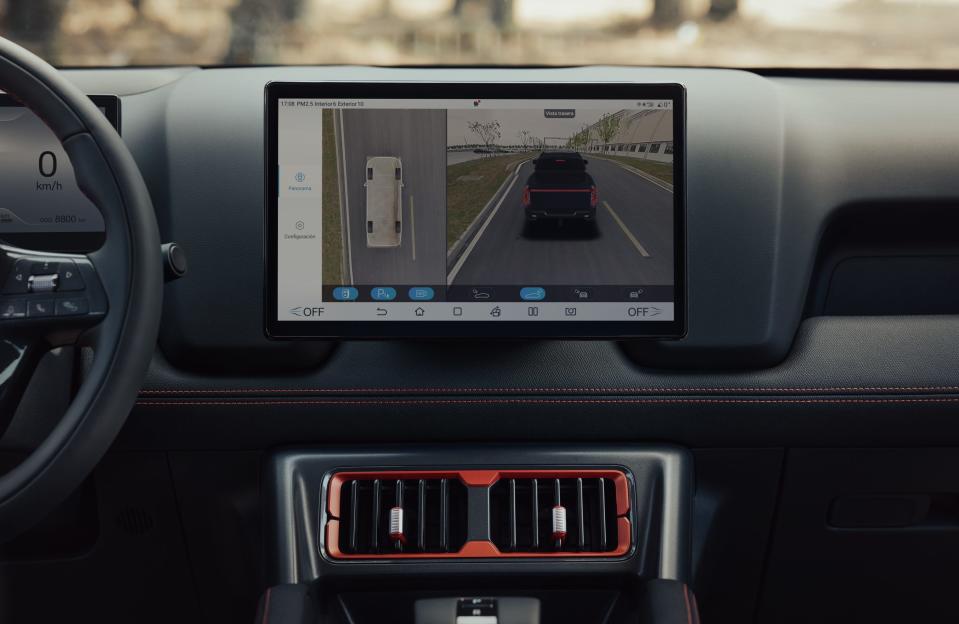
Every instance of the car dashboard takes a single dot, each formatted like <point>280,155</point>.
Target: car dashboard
<point>817,366</point>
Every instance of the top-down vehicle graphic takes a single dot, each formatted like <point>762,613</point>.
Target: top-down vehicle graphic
<point>560,188</point>
<point>384,201</point>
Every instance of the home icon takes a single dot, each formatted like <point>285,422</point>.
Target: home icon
<point>419,311</point>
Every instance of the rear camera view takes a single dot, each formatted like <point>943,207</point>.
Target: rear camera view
<point>453,210</point>
<point>560,197</point>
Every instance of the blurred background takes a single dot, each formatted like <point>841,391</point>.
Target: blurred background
<point>743,33</point>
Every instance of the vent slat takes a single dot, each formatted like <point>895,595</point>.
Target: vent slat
<point>354,514</point>
<point>375,529</point>
<point>557,502</point>
<point>601,512</point>
<point>535,506</point>
<point>444,515</point>
<point>398,499</point>
<point>512,514</point>
<point>580,515</point>
<point>421,517</point>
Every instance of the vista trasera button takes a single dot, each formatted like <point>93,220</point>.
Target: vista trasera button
<point>421,293</point>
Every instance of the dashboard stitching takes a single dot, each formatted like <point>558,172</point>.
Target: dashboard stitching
<point>585,390</point>
<point>293,402</point>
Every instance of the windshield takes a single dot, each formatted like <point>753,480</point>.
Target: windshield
<point>733,33</point>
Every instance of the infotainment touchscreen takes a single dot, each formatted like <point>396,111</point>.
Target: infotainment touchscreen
<point>410,209</point>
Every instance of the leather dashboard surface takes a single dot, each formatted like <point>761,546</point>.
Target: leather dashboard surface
<point>848,380</point>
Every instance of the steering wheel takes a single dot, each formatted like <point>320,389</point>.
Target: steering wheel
<point>108,300</point>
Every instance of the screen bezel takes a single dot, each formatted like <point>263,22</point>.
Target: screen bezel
<point>65,242</point>
<point>292,330</point>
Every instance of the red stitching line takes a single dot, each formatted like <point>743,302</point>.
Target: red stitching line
<point>266,606</point>
<point>536,401</point>
<point>161,391</point>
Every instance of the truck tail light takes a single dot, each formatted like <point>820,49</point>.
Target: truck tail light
<point>526,196</point>
<point>593,196</point>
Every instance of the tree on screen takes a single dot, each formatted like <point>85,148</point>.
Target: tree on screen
<point>607,126</point>
<point>526,138</point>
<point>488,132</point>
<point>580,140</point>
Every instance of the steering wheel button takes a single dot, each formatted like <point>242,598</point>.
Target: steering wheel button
<point>13,308</point>
<point>44,267</point>
<point>18,279</point>
<point>42,283</point>
<point>39,308</point>
<point>69,277</point>
<point>72,306</point>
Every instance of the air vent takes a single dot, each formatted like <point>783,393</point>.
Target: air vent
<point>554,515</point>
<point>438,514</point>
<point>396,516</point>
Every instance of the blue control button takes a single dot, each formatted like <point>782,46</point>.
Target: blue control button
<point>532,293</point>
<point>345,293</point>
<point>383,293</point>
<point>421,293</point>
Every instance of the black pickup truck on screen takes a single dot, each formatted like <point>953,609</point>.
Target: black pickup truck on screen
<point>560,188</point>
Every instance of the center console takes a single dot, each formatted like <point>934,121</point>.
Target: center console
<point>528,534</point>
<point>462,210</point>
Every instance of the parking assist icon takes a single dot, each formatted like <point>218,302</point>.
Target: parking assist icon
<point>383,293</point>
<point>532,293</point>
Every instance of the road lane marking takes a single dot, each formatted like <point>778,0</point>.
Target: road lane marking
<point>346,197</point>
<point>479,215</point>
<point>666,186</point>
<point>469,248</point>
<point>639,246</point>
<point>413,227</point>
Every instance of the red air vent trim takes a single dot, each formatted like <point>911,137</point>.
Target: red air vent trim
<point>479,478</point>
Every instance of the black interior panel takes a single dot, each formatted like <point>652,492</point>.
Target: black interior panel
<point>870,573</point>
<point>733,510</point>
<point>136,570</point>
<point>888,259</point>
<point>219,504</point>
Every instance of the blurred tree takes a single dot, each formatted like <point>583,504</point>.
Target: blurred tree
<point>34,24</point>
<point>721,9</point>
<point>674,12</point>
<point>500,11</point>
<point>258,19</point>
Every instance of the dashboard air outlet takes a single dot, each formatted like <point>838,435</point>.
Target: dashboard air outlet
<point>477,514</point>
<point>386,515</point>
<point>567,514</point>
